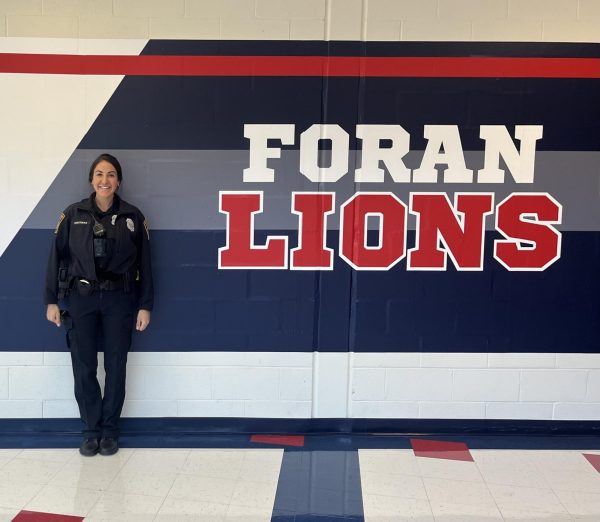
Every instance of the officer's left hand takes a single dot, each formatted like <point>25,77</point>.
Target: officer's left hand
<point>143,320</point>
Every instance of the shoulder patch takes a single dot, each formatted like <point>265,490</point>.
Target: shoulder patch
<point>146,229</point>
<point>60,220</point>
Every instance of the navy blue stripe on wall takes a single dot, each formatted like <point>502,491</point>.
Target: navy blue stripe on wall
<point>332,48</point>
<point>202,308</point>
<point>209,113</point>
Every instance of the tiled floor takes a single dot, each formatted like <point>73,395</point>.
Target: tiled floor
<point>371,479</point>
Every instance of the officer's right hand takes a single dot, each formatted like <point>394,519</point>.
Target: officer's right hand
<point>53,314</point>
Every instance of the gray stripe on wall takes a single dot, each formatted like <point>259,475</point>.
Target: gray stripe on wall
<point>178,189</point>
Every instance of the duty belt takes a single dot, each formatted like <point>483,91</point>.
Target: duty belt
<point>103,285</point>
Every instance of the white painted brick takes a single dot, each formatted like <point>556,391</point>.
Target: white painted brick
<point>211,359</point>
<point>418,384</point>
<point>331,386</point>
<point>571,31</point>
<point>522,360</point>
<point>383,30</point>
<point>210,408</point>
<point>368,385</point>
<point>61,409</point>
<point>387,360</point>
<point>345,20</point>
<point>436,30</point>
<point>171,382</point>
<point>113,27</point>
<point>589,10</point>
<point>384,410</point>
<point>148,8</point>
<point>244,383</point>
<point>577,411</point>
<point>485,385</point>
<point>145,408</point>
<point>45,26</point>
<point>451,410</point>
<point>3,383</point>
<point>185,28</point>
<point>295,384</point>
<point>77,7</point>
<point>592,393</point>
<point>290,9</point>
<point>472,9</point>
<point>507,30</point>
<point>57,359</point>
<point>40,382</point>
<point>307,29</point>
<point>578,360</point>
<point>253,29</point>
<point>22,7</point>
<point>543,9</point>
<point>553,385</point>
<point>278,409</point>
<point>20,409</point>
<point>454,360</point>
<point>220,9</point>
<point>401,10</point>
<point>519,410</point>
<point>21,358</point>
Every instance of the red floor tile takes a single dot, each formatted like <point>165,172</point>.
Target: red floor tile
<point>594,460</point>
<point>441,449</point>
<point>279,440</point>
<point>34,516</point>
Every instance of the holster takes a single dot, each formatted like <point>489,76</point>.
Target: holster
<point>63,281</point>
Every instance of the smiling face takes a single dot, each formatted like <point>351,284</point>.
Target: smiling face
<point>105,181</point>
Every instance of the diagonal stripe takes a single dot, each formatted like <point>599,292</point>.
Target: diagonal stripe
<point>424,67</point>
<point>594,460</point>
<point>35,516</point>
<point>279,440</point>
<point>440,449</point>
<point>319,485</point>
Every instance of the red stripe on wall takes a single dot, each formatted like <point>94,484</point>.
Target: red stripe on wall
<point>431,67</point>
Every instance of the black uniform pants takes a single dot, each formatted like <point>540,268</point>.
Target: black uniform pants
<point>101,320</point>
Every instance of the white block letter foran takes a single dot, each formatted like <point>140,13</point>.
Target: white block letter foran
<point>391,246</point>
<point>259,135</point>
<point>240,250</point>
<point>525,220</point>
<point>373,153</point>
<point>309,153</point>
<point>499,143</point>
<point>445,136</point>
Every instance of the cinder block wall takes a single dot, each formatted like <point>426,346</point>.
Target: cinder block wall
<point>506,386</point>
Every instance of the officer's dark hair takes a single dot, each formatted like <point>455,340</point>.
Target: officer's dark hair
<point>112,160</point>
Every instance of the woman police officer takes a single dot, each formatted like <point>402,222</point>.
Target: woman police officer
<point>101,258</point>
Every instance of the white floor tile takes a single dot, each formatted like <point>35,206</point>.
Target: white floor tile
<point>586,479</point>
<point>526,499</point>
<point>30,471</point>
<point>202,489</point>
<point>519,515</point>
<point>157,460</point>
<point>15,495</point>
<point>115,507</point>
<point>379,508</point>
<point>449,469</point>
<point>450,512</point>
<point>403,486</point>
<point>7,515</point>
<point>142,483</point>
<point>214,463</point>
<point>96,475</point>
<point>49,455</point>
<point>256,495</point>
<point>63,500</point>
<point>458,492</point>
<point>400,462</point>
<point>580,503</point>
<point>178,509</point>
<point>512,468</point>
<point>248,514</point>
